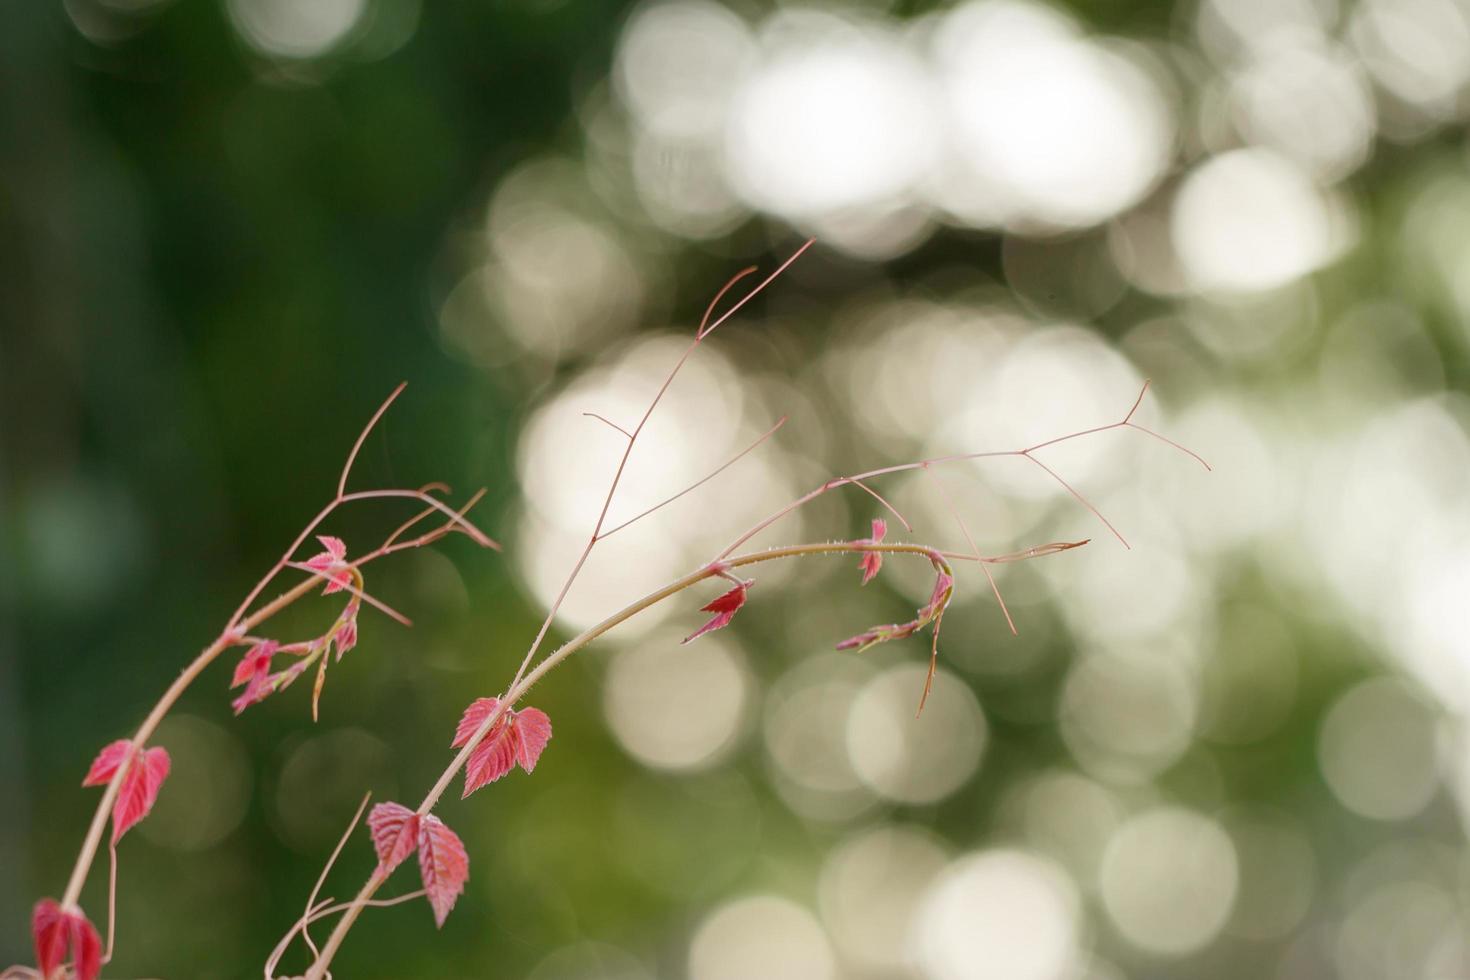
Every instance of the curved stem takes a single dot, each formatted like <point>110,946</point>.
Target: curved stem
<point>195,668</point>
<point>519,690</point>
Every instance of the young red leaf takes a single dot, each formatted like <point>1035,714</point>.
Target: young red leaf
<point>86,947</point>
<point>474,716</point>
<point>54,929</point>
<point>346,635</point>
<point>873,560</point>
<point>533,731</point>
<point>331,563</point>
<point>257,661</point>
<point>49,933</point>
<point>395,830</point>
<point>104,767</point>
<point>724,607</point>
<point>444,865</point>
<point>516,737</point>
<point>139,790</point>
<point>493,757</point>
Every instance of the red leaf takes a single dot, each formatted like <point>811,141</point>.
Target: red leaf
<point>724,606</point>
<point>517,737</point>
<point>336,550</point>
<point>444,865</point>
<point>257,661</point>
<point>873,560</point>
<point>86,948</point>
<point>53,929</point>
<point>139,790</point>
<point>533,731</point>
<point>104,767</point>
<point>492,758</point>
<point>474,716</point>
<point>48,932</point>
<point>331,563</point>
<point>395,830</point>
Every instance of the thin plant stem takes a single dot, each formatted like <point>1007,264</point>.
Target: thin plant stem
<point>240,623</point>
<point>705,329</point>
<point>522,687</point>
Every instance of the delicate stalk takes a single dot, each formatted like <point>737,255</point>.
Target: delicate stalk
<point>180,684</point>
<point>519,690</point>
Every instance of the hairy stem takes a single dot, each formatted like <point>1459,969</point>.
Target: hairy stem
<point>180,684</point>
<point>523,686</point>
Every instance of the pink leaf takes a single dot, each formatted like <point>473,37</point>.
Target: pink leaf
<point>724,606</point>
<point>336,549</point>
<point>533,731</point>
<point>346,635</point>
<point>257,660</point>
<point>104,767</point>
<point>395,830</point>
<point>444,865</point>
<point>873,560</point>
<point>54,929</point>
<point>331,563</point>
<point>48,932</point>
<point>86,948</point>
<point>516,737</point>
<point>493,757</point>
<point>260,687</point>
<point>139,790</point>
<point>474,716</point>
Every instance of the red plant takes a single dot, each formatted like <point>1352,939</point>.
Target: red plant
<point>493,735</point>
<point>132,775</point>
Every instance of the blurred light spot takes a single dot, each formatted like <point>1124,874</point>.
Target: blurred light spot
<point>876,233</point>
<point>1250,684</point>
<point>83,541</point>
<point>1048,383</point>
<point>1067,817</point>
<point>1055,129</point>
<point>320,785</point>
<point>760,936</point>
<point>1278,875</point>
<point>1419,50</point>
<point>1143,249</point>
<point>1247,493</point>
<point>590,961</point>
<point>1249,220</point>
<point>1377,750</point>
<point>1396,931</point>
<point>1231,28</point>
<point>683,188</point>
<point>1310,104</point>
<point>567,460</point>
<point>835,116</point>
<point>806,737</point>
<point>560,280</point>
<point>915,759</point>
<point>1127,718</point>
<point>295,28</point>
<point>870,891</point>
<point>1169,881</point>
<point>208,786</point>
<point>1000,915</point>
<point>676,707</point>
<point>677,64</point>
<point>907,359</point>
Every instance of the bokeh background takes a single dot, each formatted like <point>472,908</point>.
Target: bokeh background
<point>229,227</point>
